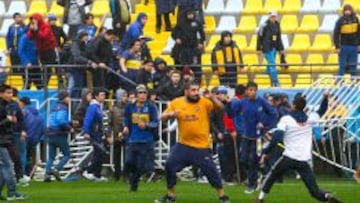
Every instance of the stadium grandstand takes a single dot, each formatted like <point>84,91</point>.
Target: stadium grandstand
<point>78,71</point>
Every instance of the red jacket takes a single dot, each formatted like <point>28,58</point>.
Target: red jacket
<point>44,37</point>
<point>228,123</point>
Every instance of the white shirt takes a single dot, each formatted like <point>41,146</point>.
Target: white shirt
<point>298,136</point>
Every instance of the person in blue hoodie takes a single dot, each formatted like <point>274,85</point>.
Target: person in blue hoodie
<point>141,124</point>
<point>256,113</point>
<point>58,129</point>
<point>89,26</point>
<point>93,131</point>
<point>34,127</point>
<point>134,32</point>
<point>29,58</point>
<point>15,31</point>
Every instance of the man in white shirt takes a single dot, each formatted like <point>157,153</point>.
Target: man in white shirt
<point>295,130</point>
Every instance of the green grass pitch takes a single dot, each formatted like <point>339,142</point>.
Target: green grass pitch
<point>291,191</point>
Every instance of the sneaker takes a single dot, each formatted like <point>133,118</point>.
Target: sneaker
<point>56,174</point>
<point>23,182</point>
<point>202,180</point>
<point>249,191</point>
<point>26,178</point>
<point>165,199</point>
<point>224,199</point>
<point>16,197</point>
<point>100,179</point>
<point>88,176</point>
<point>332,199</point>
<point>133,188</point>
<point>230,183</point>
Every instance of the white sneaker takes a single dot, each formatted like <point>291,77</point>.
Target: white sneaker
<point>249,191</point>
<point>88,176</point>
<point>101,179</point>
<point>203,180</point>
<point>27,178</point>
<point>23,182</point>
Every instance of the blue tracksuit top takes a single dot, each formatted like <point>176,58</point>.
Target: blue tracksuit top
<point>253,112</point>
<point>148,113</point>
<point>93,124</point>
<point>59,118</point>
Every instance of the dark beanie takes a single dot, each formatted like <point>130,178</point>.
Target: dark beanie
<point>62,95</point>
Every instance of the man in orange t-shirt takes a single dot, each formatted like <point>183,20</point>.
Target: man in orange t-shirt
<point>193,148</point>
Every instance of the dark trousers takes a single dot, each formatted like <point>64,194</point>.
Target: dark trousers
<point>15,61</point>
<point>302,167</point>
<point>98,76</point>
<point>15,157</point>
<point>347,59</point>
<point>166,19</point>
<point>73,29</point>
<point>96,162</point>
<point>249,159</point>
<point>229,78</point>
<point>139,160</point>
<point>118,152</point>
<point>33,75</point>
<point>31,158</point>
<point>182,156</point>
<point>79,82</point>
<point>47,57</point>
<point>227,158</point>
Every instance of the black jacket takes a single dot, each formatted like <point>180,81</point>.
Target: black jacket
<point>80,53</point>
<point>101,51</point>
<point>170,92</point>
<point>347,31</point>
<point>66,5</point>
<point>59,34</point>
<point>6,127</point>
<point>269,37</point>
<point>144,77</point>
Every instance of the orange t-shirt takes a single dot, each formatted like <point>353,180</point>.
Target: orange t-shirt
<point>193,121</point>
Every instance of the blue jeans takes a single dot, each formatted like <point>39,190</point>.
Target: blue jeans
<point>7,175</point>
<point>347,55</point>
<point>54,142</point>
<point>21,146</point>
<point>270,57</point>
<point>249,159</point>
<point>139,160</point>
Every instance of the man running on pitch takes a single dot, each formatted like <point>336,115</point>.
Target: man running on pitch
<point>295,130</point>
<point>193,115</point>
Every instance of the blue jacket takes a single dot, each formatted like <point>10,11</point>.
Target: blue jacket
<point>253,112</point>
<point>237,117</point>
<point>10,36</point>
<point>90,29</point>
<point>59,119</point>
<point>135,31</point>
<point>27,51</point>
<point>148,112</point>
<point>34,125</point>
<point>93,124</point>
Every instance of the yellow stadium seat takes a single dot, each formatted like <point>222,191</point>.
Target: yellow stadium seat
<point>263,80</point>
<point>253,7</point>
<point>251,59</point>
<point>309,23</point>
<point>149,27</point>
<point>332,59</point>
<point>296,60</point>
<point>247,24</point>
<point>100,8</point>
<point>53,82</point>
<point>210,24</point>
<point>37,6</point>
<point>291,6</point>
<point>240,41</point>
<point>15,81</point>
<point>272,5</point>
<point>163,36</point>
<point>212,42</point>
<point>252,46</point>
<point>149,8</point>
<point>214,81</point>
<point>301,43</point>
<point>242,79</point>
<point>2,44</point>
<point>206,61</point>
<point>169,60</point>
<point>56,9</point>
<point>316,59</point>
<point>354,3</point>
<point>97,22</point>
<point>303,81</point>
<point>156,46</point>
<point>289,23</point>
<point>285,80</point>
<point>322,43</point>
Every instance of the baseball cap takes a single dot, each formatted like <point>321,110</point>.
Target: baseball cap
<point>141,88</point>
<point>273,14</point>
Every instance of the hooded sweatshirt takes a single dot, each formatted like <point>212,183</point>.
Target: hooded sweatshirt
<point>44,37</point>
<point>347,29</point>
<point>34,124</point>
<point>134,32</point>
<point>93,124</point>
